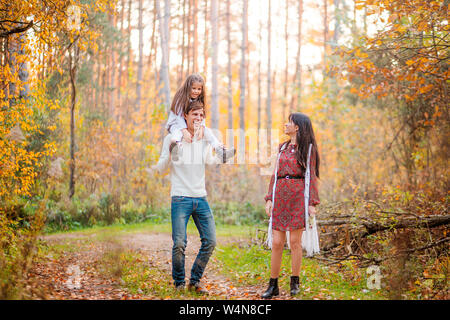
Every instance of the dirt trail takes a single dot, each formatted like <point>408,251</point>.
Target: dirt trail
<point>55,274</point>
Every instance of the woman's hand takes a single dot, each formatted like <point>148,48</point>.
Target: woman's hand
<point>268,207</point>
<point>312,210</point>
<point>186,136</point>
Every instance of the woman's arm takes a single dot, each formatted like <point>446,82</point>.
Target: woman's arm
<point>313,185</point>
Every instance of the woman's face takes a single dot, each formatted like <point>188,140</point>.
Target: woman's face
<point>196,90</point>
<point>290,128</point>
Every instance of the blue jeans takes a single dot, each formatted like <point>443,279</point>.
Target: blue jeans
<point>182,209</point>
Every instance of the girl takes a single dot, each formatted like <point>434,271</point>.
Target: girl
<point>192,89</point>
<point>288,210</point>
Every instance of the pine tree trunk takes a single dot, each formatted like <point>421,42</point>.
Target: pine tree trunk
<point>229,72</point>
<point>215,66</point>
<point>140,58</point>
<point>298,68</point>
<point>195,47</point>
<point>286,73</point>
<point>269,71</point>
<point>164,31</point>
<point>73,65</point>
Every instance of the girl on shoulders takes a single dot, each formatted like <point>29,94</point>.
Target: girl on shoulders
<point>192,89</point>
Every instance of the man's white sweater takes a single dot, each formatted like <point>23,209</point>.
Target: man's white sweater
<point>188,173</point>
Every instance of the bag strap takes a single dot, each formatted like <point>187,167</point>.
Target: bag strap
<point>306,191</point>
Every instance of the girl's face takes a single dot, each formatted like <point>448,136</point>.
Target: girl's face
<point>290,128</point>
<point>196,90</point>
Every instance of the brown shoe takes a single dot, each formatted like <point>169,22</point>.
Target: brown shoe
<point>197,289</point>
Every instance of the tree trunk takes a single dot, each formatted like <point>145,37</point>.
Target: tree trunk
<point>205,48</point>
<point>195,47</point>
<point>325,36</point>
<point>215,66</point>
<point>337,22</point>
<point>183,46</point>
<point>298,68</point>
<point>269,71</point>
<point>229,73</point>
<point>242,69</point>
<point>73,65</point>
<point>120,67</point>
<point>164,31</point>
<point>112,81</point>
<point>259,88</point>
<point>140,58</point>
<point>286,73</point>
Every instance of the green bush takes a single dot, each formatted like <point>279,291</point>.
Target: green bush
<point>234,213</point>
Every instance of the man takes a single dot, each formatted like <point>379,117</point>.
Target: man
<point>188,194</point>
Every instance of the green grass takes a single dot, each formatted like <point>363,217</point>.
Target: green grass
<point>239,260</point>
<point>250,265</point>
<point>221,229</point>
<point>141,279</point>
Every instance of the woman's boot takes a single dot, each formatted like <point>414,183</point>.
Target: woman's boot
<point>295,285</point>
<point>272,290</point>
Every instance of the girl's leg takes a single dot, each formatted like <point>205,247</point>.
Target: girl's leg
<point>279,237</point>
<point>296,250</point>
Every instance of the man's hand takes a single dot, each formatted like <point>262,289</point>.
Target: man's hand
<point>186,136</point>
<point>268,207</point>
<point>199,130</point>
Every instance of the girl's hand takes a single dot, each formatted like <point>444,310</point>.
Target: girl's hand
<point>268,207</point>
<point>186,136</point>
<point>198,130</point>
<point>312,210</point>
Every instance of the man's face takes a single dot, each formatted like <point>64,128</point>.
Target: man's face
<point>193,117</point>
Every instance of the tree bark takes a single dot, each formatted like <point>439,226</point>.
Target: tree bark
<point>296,98</point>
<point>215,66</point>
<point>164,31</point>
<point>140,58</point>
<point>242,78</point>
<point>229,71</point>
<point>269,71</point>
<point>195,31</point>
<point>73,65</point>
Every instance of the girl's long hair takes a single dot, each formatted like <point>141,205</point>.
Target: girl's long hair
<point>305,136</point>
<point>181,99</point>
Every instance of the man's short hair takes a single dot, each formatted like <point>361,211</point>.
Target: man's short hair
<point>195,105</point>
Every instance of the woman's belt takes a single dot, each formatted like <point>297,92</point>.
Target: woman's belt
<point>291,177</point>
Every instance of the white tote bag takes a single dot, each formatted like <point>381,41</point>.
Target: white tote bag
<point>310,237</point>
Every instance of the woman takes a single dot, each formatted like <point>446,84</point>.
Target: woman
<point>288,209</point>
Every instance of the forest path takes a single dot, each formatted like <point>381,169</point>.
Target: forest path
<point>77,269</point>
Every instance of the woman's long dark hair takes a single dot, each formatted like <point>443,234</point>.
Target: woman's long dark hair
<point>305,136</point>
<point>181,98</point>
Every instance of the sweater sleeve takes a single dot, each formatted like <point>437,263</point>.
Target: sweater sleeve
<point>164,158</point>
<point>313,185</point>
